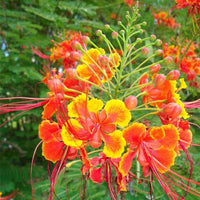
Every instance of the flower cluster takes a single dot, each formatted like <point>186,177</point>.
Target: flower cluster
<point>102,101</point>
<point>162,18</point>
<point>186,60</point>
<point>193,5</point>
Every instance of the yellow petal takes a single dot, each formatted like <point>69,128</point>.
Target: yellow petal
<point>183,84</point>
<point>83,71</point>
<point>94,105</point>
<point>117,111</point>
<point>92,55</point>
<point>78,106</point>
<point>114,144</point>
<point>68,137</point>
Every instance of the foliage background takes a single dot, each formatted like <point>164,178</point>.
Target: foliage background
<point>27,23</point>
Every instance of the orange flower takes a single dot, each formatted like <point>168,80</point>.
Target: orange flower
<point>152,146</point>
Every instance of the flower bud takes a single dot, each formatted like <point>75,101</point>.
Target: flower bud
<point>76,45</point>
<point>138,26</point>
<point>159,79</point>
<point>76,55</point>
<point>144,23</point>
<point>114,35</point>
<point>85,39</point>
<point>98,32</point>
<point>155,69</point>
<point>172,110</point>
<point>173,75</point>
<point>158,42</point>
<point>55,85</point>
<point>104,60</point>
<point>145,51</point>
<point>159,52</point>
<point>107,26</point>
<point>130,102</point>
<point>119,23</point>
<point>153,38</point>
<point>138,40</point>
<point>168,60</point>
<point>122,32</point>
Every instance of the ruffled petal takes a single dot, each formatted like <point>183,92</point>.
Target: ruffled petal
<point>53,151</point>
<point>163,159</point>
<point>171,136</point>
<point>84,71</point>
<point>157,133</point>
<point>92,55</point>
<point>114,144</point>
<point>117,111</point>
<point>134,133</point>
<point>94,105</point>
<point>49,131</point>
<point>185,138</point>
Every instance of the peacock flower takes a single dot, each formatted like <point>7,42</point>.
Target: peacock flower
<point>157,142</point>
<point>95,124</point>
<point>155,149</point>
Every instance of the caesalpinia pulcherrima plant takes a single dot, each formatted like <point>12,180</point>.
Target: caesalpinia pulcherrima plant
<point>103,100</point>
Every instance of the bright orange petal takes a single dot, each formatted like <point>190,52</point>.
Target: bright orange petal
<point>49,109</point>
<point>114,144</point>
<point>171,136</point>
<point>53,151</point>
<point>49,131</point>
<point>185,138</point>
<point>164,159</point>
<point>134,133</point>
<point>115,59</point>
<point>117,111</point>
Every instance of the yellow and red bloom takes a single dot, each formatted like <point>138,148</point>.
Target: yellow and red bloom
<point>96,124</point>
<point>53,147</point>
<point>97,67</point>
